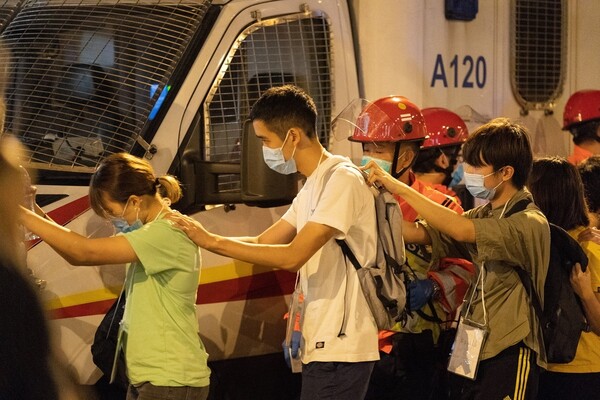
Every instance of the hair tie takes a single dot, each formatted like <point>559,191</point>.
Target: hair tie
<point>157,182</point>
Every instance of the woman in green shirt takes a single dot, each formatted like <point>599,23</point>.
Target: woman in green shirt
<point>164,355</point>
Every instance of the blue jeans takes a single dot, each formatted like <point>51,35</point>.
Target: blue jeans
<point>147,391</point>
<point>335,380</point>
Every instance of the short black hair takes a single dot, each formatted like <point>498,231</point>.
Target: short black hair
<point>558,191</point>
<point>589,170</point>
<point>500,143</point>
<point>284,107</point>
<point>585,131</point>
<point>427,157</point>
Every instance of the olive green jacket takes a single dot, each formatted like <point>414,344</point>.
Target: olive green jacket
<point>521,240</point>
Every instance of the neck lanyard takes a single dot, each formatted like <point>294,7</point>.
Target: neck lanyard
<point>481,279</point>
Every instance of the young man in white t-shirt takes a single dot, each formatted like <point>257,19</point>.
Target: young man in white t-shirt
<point>339,335</point>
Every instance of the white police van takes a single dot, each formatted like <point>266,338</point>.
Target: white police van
<point>173,81</point>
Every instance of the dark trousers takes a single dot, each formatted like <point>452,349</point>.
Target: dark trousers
<point>148,391</point>
<point>512,374</point>
<point>335,380</point>
<point>569,386</point>
<point>415,369</point>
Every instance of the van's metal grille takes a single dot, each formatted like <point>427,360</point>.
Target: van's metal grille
<point>86,77</point>
<point>269,53</point>
<point>8,8</point>
<point>538,51</point>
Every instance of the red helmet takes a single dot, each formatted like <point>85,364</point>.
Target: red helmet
<point>389,119</point>
<point>582,106</point>
<point>445,128</point>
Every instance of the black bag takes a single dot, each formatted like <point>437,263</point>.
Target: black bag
<point>105,343</point>
<point>562,319</point>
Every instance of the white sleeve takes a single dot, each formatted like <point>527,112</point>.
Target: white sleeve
<point>342,200</point>
<point>291,215</point>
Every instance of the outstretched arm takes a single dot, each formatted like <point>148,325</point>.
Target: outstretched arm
<point>415,233</point>
<point>441,218</point>
<point>75,248</point>
<point>290,255</point>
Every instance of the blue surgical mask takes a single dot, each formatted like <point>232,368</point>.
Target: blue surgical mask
<point>475,186</point>
<point>385,165</point>
<point>457,175</point>
<point>276,161</point>
<point>121,225</point>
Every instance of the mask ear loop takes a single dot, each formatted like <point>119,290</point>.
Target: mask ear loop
<point>497,186</point>
<point>283,144</point>
<point>293,152</point>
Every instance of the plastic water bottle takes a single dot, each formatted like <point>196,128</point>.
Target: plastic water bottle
<point>28,200</point>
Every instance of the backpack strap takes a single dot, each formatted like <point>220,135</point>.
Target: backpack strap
<point>390,305</point>
<point>519,206</point>
<point>531,292</point>
<point>342,243</point>
<point>348,253</point>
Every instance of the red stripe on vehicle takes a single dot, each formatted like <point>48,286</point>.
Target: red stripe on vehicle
<point>82,310</point>
<point>268,284</point>
<point>65,214</point>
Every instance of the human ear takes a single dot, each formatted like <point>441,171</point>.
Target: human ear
<point>409,156</point>
<point>507,172</point>
<point>135,201</point>
<point>442,161</point>
<point>295,135</point>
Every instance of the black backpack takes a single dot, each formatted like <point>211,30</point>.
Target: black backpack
<point>562,319</point>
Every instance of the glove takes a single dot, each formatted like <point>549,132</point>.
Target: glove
<point>294,345</point>
<point>419,292</point>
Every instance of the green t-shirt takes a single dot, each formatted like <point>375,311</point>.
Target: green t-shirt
<point>161,339</point>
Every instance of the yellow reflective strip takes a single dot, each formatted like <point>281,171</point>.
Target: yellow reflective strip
<point>236,269</point>
<point>82,298</point>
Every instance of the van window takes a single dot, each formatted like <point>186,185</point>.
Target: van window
<point>538,52</point>
<point>272,52</point>
<point>86,81</point>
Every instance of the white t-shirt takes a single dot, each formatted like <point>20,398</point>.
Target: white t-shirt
<point>333,298</point>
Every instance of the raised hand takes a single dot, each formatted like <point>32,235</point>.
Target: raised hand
<point>377,176</point>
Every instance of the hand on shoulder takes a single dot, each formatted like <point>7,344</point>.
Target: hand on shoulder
<point>191,227</point>
<point>589,234</point>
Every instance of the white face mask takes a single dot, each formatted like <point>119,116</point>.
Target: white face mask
<point>276,161</point>
<point>475,185</point>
